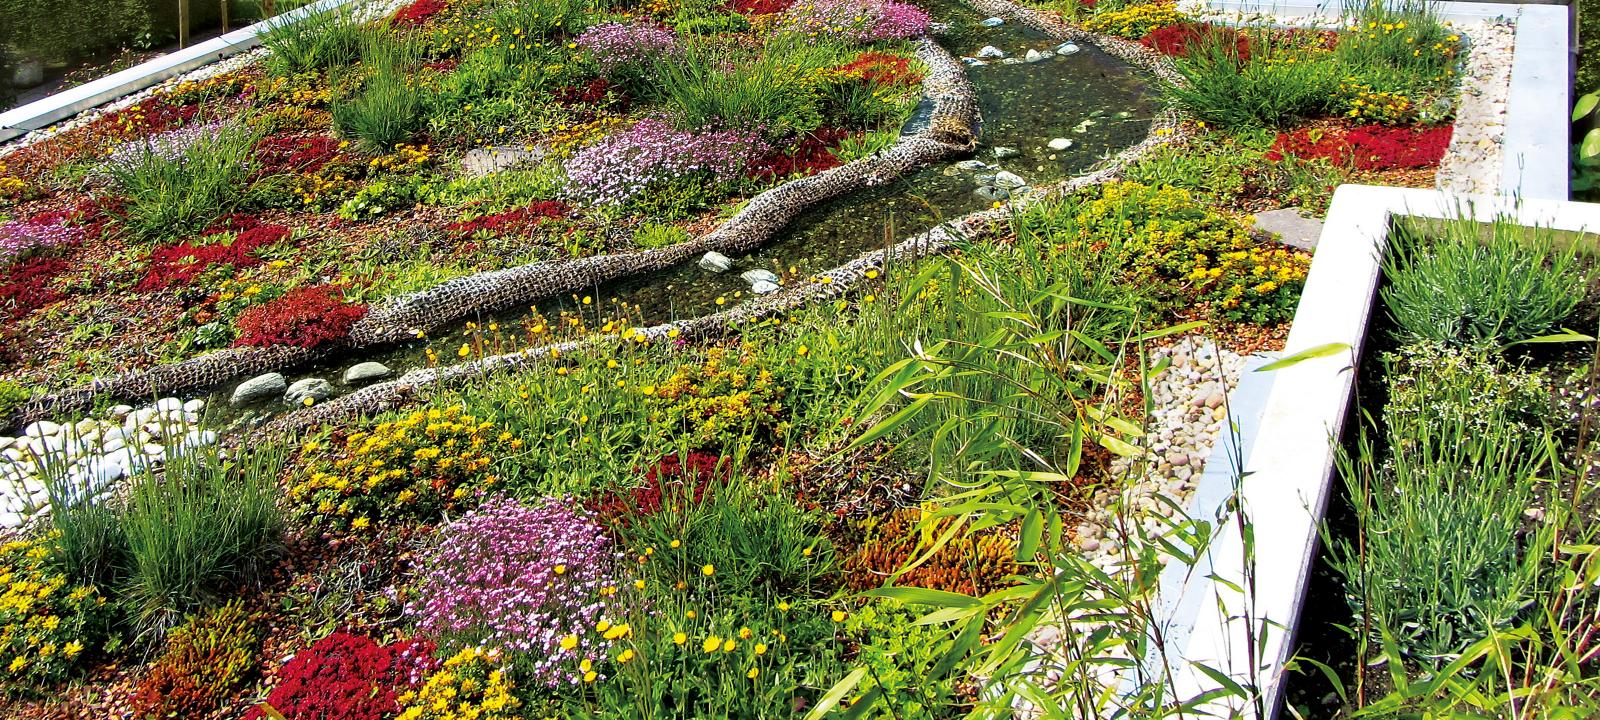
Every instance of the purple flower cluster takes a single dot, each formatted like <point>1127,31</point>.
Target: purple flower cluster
<point>861,21</point>
<point>615,45</point>
<point>171,146</point>
<point>22,237</point>
<point>532,580</point>
<point>621,166</point>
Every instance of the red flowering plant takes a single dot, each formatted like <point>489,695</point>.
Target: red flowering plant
<point>417,13</point>
<point>284,154</point>
<point>1368,147</point>
<point>1180,39</point>
<point>809,154</point>
<point>673,479</point>
<point>180,264</point>
<point>520,221</point>
<point>306,317</point>
<point>28,285</point>
<point>348,677</point>
<point>758,7</point>
<point>881,69</point>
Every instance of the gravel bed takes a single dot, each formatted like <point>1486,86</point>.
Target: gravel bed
<point>1473,162</point>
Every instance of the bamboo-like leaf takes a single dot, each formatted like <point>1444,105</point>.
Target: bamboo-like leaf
<point>1170,330</point>
<point>1591,144</point>
<point>1028,536</point>
<point>836,693</point>
<point>925,596</point>
<point>1565,336</point>
<point>1311,353</point>
<point>889,424</point>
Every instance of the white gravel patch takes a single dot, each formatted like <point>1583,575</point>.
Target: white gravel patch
<point>1190,411</point>
<point>1473,163</point>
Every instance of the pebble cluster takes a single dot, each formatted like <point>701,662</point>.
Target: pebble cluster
<point>91,455</point>
<point>1472,164</point>
<point>1190,411</point>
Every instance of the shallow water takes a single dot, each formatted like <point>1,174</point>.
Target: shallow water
<point>1098,102</point>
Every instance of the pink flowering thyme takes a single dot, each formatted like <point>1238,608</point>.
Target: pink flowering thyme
<point>620,45</point>
<point>532,580</point>
<point>171,146</point>
<point>860,21</point>
<point>621,166</point>
<point>22,237</point>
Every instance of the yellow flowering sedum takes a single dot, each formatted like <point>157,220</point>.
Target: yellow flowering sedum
<point>1135,21</point>
<point>46,623</point>
<point>428,462</point>
<point>470,686</point>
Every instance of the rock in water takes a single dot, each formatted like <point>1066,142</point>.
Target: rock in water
<point>762,287</point>
<point>993,22</point>
<point>759,275</point>
<point>716,262</point>
<point>992,194</point>
<point>367,371</point>
<point>1034,56</point>
<point>262,387</point>
<point>1009,180</point>
<point>1067,48</point>
<point>1002,153</point>
<point>316,389</point>
<point>990,52</point>
<point>972,165</point>
<point>1060,144</point>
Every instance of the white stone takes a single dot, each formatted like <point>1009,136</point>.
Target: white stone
<point>261,387</point>
<point>715,262</point>
<point>993,22</point>
<point>759,275</point>
<point>1060,143</point>
<point>1009,180</point>
<point>990,52</point>
<point>194,406</point>
<point>1067,48</point>
<point>316,389</point>
<point>121,411</point>
<point>762,287</point>
<point>43,428</point>
<point>168,405</point>
<point>366,372</point>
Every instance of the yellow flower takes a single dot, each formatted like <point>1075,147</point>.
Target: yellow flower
<point>710,645</point>
<point>708,570</point>
<point>679,638</point>
<point>839,616</point>
<point>569,642</point>
<point>761,648</point>
<point>729,645</point>
<point>625,656</point>
<point>753,673</point>
<point>675,544</point>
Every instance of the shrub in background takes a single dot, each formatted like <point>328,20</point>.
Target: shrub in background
<point>348,677</point>
<point>307,317</point>
<point>531,580</point>
<point>207,660</point>
<point>1468,285</point>
<point>65,30</point>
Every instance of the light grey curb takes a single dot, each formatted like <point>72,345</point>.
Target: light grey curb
<point>37,115</point>
<point>1536,162</point>
<point>1289,460</point>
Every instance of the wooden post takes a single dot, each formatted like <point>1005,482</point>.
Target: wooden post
<point>183,24</point>
<point>225,27</point>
